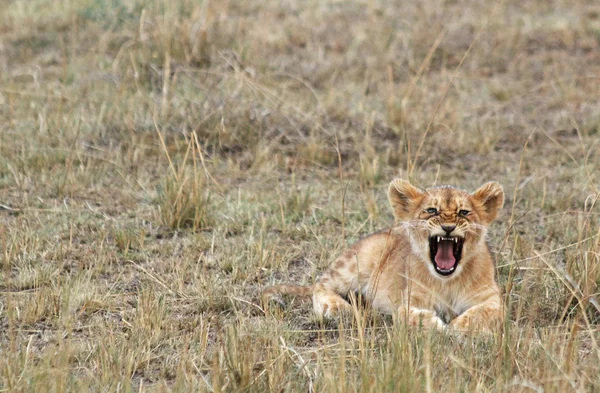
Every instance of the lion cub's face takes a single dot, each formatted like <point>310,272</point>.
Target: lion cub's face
<point>445,224</point>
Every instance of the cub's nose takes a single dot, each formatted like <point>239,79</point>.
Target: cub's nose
<point>448,228</point>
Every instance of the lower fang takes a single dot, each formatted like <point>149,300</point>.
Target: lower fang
<point>445,270</point>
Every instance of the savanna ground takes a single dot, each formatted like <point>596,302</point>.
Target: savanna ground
<point>163,161</point>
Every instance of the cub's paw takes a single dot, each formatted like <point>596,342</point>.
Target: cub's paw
<point>477,323</point>
<point>418,317</point>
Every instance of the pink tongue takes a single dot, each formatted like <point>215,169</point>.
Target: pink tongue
<point>445,255</point>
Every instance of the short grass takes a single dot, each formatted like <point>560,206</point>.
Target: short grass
<point>163,161</point>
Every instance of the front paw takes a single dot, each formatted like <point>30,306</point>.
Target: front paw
<point>437,323</point>
<point>468,323</point>
<point>421,317</point>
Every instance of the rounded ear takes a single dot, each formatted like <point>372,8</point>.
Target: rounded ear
<point>489,198</point>
<point>404,197</point>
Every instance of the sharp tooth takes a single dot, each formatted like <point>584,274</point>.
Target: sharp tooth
<point>438,239</point>
<point>455,240</point>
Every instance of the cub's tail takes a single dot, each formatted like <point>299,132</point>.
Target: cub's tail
<point>275,292</point>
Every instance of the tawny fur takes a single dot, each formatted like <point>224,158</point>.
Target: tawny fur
<point>392,269</point>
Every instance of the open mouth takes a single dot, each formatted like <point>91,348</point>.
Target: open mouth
<point>445,253</point>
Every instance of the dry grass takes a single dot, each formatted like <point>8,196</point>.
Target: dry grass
<point>162,161</point>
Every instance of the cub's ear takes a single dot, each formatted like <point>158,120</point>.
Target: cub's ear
<point>488,199</point>
<point>404,197</point>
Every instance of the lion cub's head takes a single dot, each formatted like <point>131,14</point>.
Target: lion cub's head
<point>446,225</point>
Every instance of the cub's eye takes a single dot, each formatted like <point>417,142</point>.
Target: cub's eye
<point>463,212</point>
<point>431,210</point>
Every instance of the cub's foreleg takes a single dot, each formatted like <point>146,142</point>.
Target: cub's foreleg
<point>485,317</point>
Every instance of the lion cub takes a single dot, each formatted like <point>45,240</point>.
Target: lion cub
<point>434,267</point>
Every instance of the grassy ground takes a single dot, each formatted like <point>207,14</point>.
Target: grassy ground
<point>163,161</point>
